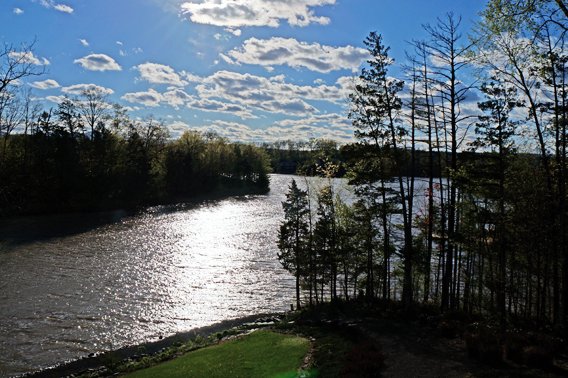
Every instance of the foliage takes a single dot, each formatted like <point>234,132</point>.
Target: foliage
<point>88,155</point>
<point>486,230</point>
<point>293,235</point>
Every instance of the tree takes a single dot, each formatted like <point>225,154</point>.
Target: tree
<point>69,117</point>
<point>375,114</point>
<point>94,109</point>
<point>326,239</point>
<point>17,64</point>
<point>495,132</point>
<point>524,43</point>
<point>293,234</point>
<point>452,58</point>
<point>507,15</point>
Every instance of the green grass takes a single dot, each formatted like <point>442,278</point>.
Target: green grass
<point>260,354</point>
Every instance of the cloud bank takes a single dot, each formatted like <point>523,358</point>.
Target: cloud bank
<point>240,13</point>
<point>288,51</point>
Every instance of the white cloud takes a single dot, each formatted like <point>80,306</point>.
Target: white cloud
<point>28,57</point>
<point>55,99</point>
<point>79,89</point>
<point>149,98</point>
<point>176,97</point>
<point>255,92</point>
<point>235,32</point>
<point>240,95</point>
<point>208,105</point>
<point>288,129</point>
<point>18,11</point>
<point>177,128</point>
<point>288,51</point>
<point>160,74</point>
<point>50,4</point>
<point>98,62</point>
<point>269,94</point>
<point>191,77</point>
<point>46,84</point>
<point>240,13</point>
<point>63,8</point>
<point>84,42</point>
<point>227,60</point>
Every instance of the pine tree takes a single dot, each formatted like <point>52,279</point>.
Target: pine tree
<point>294,234</point>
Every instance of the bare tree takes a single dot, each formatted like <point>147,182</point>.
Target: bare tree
<point>16,64</point>
<point>450,58</point>
<point>94,108</point>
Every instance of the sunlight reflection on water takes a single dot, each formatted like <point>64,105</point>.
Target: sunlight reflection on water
<point>166,270</point>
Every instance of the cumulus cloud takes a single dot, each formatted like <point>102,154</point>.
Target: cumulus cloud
<point>150,98</point>
<point>253,91</point>
<point>98,62</point>
<point>46,84</point>
<point>288,129</point>
<point>84,42</point>
<point>239,13</point>
<point>55,99</point>
<point>235,32</point>
<point>176,97</point>
<point>269,94</point>
<point>288,51</point>
<point>160,74</point>
<point>18,11</point>
<point>208,105</point>
<point>237,94</point>
<point>79,89</point>
<point>28,57</point>
<point>177,128</point>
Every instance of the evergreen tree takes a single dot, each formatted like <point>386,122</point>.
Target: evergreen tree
<point>293,234</point>
<point>375,113</point>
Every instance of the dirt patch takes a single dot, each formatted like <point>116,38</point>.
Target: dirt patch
<point>414,350</point>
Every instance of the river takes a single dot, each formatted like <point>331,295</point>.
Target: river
<point>71,285</point>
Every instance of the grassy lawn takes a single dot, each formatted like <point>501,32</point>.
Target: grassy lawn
<point>260,354</point>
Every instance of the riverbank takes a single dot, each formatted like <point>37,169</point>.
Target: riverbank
<point>22,228</point>
<point>348,340</point>
<point>104,362</point>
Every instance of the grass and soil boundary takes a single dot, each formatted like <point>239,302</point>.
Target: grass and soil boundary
<point>348,340</point>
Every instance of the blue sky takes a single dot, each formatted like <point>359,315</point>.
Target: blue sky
<point>251,70</point>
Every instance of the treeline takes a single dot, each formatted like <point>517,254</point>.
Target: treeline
<point>305,157</point>
<point>488,235</point>
<point>89,155</point>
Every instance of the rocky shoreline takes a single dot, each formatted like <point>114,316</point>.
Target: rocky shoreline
<point>97,362</point>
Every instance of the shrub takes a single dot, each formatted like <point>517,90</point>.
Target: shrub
<point>363,360</point>
<point>483,343</point>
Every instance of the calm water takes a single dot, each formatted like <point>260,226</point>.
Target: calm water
<point>93,288</point>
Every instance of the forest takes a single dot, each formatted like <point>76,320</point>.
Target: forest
<point>486,235</point>
<point>88,154</point>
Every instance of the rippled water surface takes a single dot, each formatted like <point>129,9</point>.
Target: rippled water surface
<point>168,269</point>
